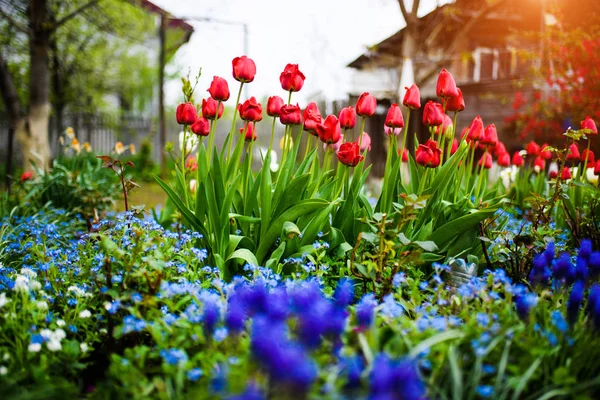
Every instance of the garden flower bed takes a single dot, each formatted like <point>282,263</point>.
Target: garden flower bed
<point>296,283</point>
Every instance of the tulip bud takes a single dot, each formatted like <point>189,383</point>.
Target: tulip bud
<point>347,117</point>
<point>329,130</point>
<point>573,154</point>
<point>566,174</point>
<point>412,98</point>
<point>248,131</point>
<point>191,163</point>
<point>312,117</point>
<point>590,125</point>
<point>394,117</point>
<point>290,115</point>
<point>209,108</point>
<point>456,103</point>
<point>349,154</point>
<point>597,168</point>
<point>446,127</point>
<point>291,78</point>
<point>433,114</point>
<point>533,149</point>
<point>454,147</point>
<point>545,153</point>
<point>365,142</point>
<point>446,87</point>
<point>219,89</point>
<point>486,160</point>
<point>201,127</point>
<point>366,105</point>
<point>27,175</point>
<point>244,69</point>
<point>553,171</point>
<point>539,164</point>
<point>186,114</point>
<point>250,110</point>
<point>490,136</point>
<point>404,155</point>
<point>504,160</point>
<point>517,159</point>
<point>589,154</point>
<point>476,131</point>
<point>193,186</point>
<point>274,104</point>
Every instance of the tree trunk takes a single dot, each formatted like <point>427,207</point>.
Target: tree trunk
<point>34,140</point>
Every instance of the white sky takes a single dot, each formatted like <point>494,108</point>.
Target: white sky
<point>322,36</point>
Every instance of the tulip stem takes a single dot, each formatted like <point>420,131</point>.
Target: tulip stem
<point>235,111</point>
<point>213,133</point>
<point>405,133</point>
<point>422,183</point>
<point>483,160</point>
<point>587,154</point>
<point>307,146</point>
<point>272,134</point>
<point>362,129</point>
<point>183,155</point>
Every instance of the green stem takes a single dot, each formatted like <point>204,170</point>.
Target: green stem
<point>422,183</point>
<point>212,133</point>
<point>587,154</point>
<point>306,149</point>
<point>405,132</point>
<point>362,129</point>
<point>235,112</point>
<point>481,173</point>
<point>272,134</point>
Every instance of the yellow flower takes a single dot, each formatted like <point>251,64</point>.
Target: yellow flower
<point>119,148</point>
<point>132,149</point>
<point>75,145</point>
<point>289,144</point>
<point>70,133</point>
<point>87,147</point>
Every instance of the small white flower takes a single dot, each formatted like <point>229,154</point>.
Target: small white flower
<point>85,314</point>
<point>28,273</point>
<point>59,334</point>
<point>54,345</point>
<point>42,305</point>
<point>3,370</point>
<point>84,347</point>
<point>34,347</point>
<point>6,357</point>
<point>21,284</point>
<point>46,334</point>
<point>107,305</point>
<point>60,322</point>
<point>3,300</point>
<point>35,285</point>
<point>103,331</point>
<point>191,142</point>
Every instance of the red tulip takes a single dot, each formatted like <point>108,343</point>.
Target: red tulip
<point>25,176</point>
<point>394,117</point>
<point>201,127</point>
<point>433,114</point>
<point>209,108</point>
<point>539,164</point>
<point>597,168</point>
<point>248,131</point>
<point>244,69</point>
<point>274,104</point>
<point>454,147</point>
<point>490,135</point>
<point>428,154</point>
<point>504,160</point>
<point>291,78</point>
<point>533,149</point>
<point>499,149</point>
<point>349,153</point>
<point>590,125</point>
<point>566,174</point>
<point>334,146</point>
<point>250,110</point>
<point>366,105</point>
<point>573,154</point>
<point>404,155</point>
<point>486,160</point>
<point>456,103</point>
<point>545,153</point>
<point>219,89</point>
<point>446,125</point>
<point>476,131</point>
<point>290,115</point>
<point>347,117</point>
<point>412,97</point>
<point>446,87</point>
<point>517,159</point>
<point>312,117</point>
<point>590,157</point>
<point>186,114</point>
<point>329,130</point>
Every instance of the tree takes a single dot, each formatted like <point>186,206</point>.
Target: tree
<point>417,40</point>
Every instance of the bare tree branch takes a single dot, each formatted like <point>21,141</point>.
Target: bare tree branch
<point>404,11</point>
<point>74,13</point>
<point>13,22</point>
<point>415,8</point>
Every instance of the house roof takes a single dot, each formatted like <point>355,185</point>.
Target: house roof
<point>447,21</point>
<point>173,23</point>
